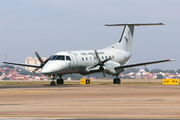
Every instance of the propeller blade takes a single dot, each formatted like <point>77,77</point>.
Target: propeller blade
<point>100,63</point>
<point>97,56</point>
<point>36,69</point>
<point>104,74</point>
<point>106,60</point>
<point>47,59</point>
<point>39,58</point>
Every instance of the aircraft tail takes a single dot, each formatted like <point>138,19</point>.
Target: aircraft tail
<point>125,42</point>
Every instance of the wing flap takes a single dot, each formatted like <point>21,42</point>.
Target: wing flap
<point>143,64</point>
<point>22,64</point>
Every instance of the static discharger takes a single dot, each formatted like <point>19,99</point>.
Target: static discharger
<point>170,81</point>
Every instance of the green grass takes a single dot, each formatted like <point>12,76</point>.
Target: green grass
<point>71,83</point>
<point>24,83</point>
<point>93,82</point>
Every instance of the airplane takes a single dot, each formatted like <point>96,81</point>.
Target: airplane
<point>112,60</point>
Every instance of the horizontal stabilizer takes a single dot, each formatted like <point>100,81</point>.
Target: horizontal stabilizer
<point>22,64</point>
<point>138,24</point>
<point>143,64</point>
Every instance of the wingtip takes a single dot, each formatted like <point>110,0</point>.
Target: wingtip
<point>172,60</point>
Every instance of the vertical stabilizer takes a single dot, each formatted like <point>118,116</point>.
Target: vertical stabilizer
<point>125,42</point>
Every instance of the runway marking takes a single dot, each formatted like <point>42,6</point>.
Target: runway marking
<point>24,91</point>
<point>80,113</point>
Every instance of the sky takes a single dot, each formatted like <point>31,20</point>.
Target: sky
<point>50,26</point>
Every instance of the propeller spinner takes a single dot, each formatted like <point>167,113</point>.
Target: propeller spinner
<point>41,61</point>
<point>100,63</point>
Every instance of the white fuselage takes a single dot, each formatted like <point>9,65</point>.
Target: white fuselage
<point>77,61</point>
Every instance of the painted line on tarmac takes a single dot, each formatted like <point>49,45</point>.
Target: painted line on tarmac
<point>72,113</point>
<point>24,91</point>
<point>33,118</point>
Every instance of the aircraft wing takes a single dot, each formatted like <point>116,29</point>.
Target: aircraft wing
<point>143,64</point>
<point>22,64</point>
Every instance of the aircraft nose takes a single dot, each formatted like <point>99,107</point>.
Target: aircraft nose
<point>46,70</point>
<point>52,68</point>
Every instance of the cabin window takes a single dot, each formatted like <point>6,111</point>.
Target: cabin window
<point>106,57</point>
<point>82,59</point>
<point>90,58</point>
<point>102,58</point>
<point>86,58</point>
<point>68,58</point>
<point>109,57</point>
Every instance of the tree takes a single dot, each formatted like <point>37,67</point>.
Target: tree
<point>156,70</point>
<point>6,72</point>
<point>1,73</point>
<point>7,66</point>
<point>170,71</point>
<point>129,70</point>
<point>24,72</point>
<point>159,76</point>
<point>6,78</point>
<point>147,70</point>
<point>178,71</point>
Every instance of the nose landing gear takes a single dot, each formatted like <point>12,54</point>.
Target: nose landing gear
<point>52,82</point>
<point>60,81</point>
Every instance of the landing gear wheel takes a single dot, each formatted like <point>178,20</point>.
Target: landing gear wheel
<point>117,81</point>
<point>60,81</point>
<point>53,83</point>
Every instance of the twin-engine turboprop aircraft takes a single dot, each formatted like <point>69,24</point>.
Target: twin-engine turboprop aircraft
<point>110,60</point>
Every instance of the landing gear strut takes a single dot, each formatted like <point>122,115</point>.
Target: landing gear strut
<point>117,80</point>
<point>60,81</point>
<point>53,82</point>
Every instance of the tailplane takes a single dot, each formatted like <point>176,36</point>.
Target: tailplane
<point>125,42</point>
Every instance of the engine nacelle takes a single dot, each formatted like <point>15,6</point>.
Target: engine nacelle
<point>109,68</point>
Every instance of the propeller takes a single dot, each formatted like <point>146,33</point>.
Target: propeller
<point>41,61</point>
<point>100,63</point>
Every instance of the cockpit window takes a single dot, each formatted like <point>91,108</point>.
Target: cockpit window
<point>68,58</point>
<point>58,57</point>
<point>53,57</point>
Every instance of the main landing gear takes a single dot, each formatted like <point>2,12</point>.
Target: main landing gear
<point>117,80</point>
<point>60,81</point>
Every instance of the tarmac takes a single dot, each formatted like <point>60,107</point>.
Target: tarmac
<point>139,101</point>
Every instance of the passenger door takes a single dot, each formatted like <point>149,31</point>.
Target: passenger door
<point>74,61</point>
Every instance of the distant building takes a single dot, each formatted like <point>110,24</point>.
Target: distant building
<point>141,72</point>
<point>33,61</point>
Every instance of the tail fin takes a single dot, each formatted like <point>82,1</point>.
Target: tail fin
<point>125,42</point>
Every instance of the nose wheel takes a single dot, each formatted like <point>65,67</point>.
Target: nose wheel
<point>53,83</point>
<point>60,81</point>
